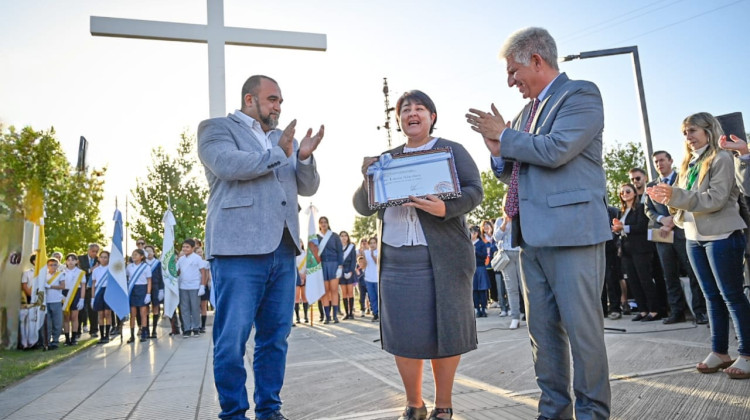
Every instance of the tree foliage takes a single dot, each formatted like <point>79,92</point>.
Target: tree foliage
<point>491,206</point>
<point>618,160</point>
<point>32,163</point>
<point>364,227</point>
<point>170,178</point>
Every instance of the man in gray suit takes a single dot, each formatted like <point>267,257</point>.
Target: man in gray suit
<point>551,158</point>
<point>254,173</point>
<point>673,256</point>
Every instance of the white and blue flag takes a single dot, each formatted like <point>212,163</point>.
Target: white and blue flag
<point>116,293</point>
<point>168,266</point>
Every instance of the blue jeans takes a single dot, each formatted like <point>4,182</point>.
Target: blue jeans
<point>372,293</point>
<point>252,290</point>
<point>719,268</point>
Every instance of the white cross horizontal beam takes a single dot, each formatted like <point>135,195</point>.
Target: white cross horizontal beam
<point>190,32</point>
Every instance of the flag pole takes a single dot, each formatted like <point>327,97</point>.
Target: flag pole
<point>125,225</point>
<point>312,307</point>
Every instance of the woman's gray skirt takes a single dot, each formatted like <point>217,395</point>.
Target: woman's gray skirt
<point>408,320</point>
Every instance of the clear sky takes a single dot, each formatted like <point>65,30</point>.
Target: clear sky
<point>127,96</point>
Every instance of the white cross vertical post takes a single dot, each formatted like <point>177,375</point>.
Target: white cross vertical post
<point>215,34</point>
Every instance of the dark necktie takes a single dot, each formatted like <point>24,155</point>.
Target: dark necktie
<point>511,203</point>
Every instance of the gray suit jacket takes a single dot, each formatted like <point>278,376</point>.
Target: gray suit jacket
<point>252,191</point>
<point>561,183</point>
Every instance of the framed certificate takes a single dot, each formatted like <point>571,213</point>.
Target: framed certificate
<point>394,178</point>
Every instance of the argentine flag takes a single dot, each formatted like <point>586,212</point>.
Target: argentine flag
<point>116,293</point>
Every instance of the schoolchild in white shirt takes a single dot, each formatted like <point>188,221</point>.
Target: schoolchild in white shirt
<point>100,277</point>
<point>54,283</point>
<point>157,287</point>
<point>139,283</point>
<point>192,279</point>
<point>74,294</point>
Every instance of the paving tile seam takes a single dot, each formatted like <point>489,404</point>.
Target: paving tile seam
<point>497,391</point>
<point>655,372</point>
<point>209,353</point>
<point>145,392</point>
<point>129,363</point>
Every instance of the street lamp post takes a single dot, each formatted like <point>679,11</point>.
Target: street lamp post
<point>641,95</point>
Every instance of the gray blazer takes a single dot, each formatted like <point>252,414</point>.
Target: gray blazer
<point>561,183</point>
<point>713,202</point>
<point>742,174</point>
<point>252,191</point>
<point>451,254</point>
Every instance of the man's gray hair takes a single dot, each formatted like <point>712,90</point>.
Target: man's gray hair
<point>523,43</point>
<point>93,245</point>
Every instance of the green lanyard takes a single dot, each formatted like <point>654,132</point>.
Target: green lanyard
<point>693,175</point>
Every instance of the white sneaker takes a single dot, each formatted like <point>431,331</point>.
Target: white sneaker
<point>495,305</point>
<point>503,313</point>
<point>514,324</point>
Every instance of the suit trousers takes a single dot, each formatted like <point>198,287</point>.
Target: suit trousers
<point>563,286</point>
<point>639,269</point>
<point>673,257</point>
<point>88,313</point>
<point>511,276</point>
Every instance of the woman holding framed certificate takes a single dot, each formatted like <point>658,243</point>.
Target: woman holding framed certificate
<point>426,262</point>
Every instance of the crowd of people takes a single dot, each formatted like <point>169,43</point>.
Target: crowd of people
<point>574,259</point>
<point>357,267</point>
<point>66,299</point>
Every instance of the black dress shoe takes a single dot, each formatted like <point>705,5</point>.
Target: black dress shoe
<point>638,317</point>
<point>701,318</point>
<point>674,319</point>
<point>649,318</point>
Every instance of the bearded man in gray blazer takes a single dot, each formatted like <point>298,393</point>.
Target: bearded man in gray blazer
<point>551,157</point>
<point>255,173</point>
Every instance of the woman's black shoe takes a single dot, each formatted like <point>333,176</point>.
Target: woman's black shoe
<point>638,317</point>
<point>649,318</point>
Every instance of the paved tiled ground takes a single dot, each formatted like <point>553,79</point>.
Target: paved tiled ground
<point>339,372</point>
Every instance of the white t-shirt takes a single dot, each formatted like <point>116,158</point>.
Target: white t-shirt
<point>144,275</point>
<point>189,267</point>
<point>371,271</point>
<point>54,295</point>
<point>97,276</point>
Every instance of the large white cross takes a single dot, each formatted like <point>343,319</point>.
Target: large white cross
<point>215,34</point>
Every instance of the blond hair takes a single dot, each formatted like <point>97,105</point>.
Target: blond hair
<point>711,126</point>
